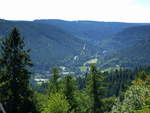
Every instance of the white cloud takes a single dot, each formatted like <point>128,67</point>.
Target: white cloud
<point>102,10</point>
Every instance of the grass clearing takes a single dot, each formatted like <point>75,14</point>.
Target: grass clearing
<point>92,61</point>
<point>83,68</point>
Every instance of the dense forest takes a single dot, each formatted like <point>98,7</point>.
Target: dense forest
<point>123,90</point>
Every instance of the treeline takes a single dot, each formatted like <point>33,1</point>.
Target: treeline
<point>95,92</point>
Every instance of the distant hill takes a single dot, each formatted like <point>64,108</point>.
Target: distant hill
<point>92,31</point>
<point>132,35</point>
<point>133,47</point>
<point>50,45</point>
<point>72,43</point>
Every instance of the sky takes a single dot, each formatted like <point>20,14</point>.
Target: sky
<point>99,10</point>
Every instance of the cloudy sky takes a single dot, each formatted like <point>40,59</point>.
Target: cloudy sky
<point>100,10</point>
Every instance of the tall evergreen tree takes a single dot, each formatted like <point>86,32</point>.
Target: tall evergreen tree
<point>15,94</point>
<point>94,90</point>
<point>54,83</point>
<point>69,91</point>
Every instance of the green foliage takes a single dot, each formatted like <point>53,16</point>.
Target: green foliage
<point>108,103</point>
<point>40,100</point>
<point>142,75</point>
<point>91,98</point>
<point>56,103</point>
<point>83,102</point>
<point>134,99</point>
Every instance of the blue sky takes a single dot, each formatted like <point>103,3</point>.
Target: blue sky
<point>100,10</point>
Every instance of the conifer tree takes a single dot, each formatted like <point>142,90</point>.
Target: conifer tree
<point>54,83</point>
<point>94,90</point>
<point>69,91</point>
<point>15,95</point>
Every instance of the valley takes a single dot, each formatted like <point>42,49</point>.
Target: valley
<point>75,45</point>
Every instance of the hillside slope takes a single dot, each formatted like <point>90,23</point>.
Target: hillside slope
<point>50,45</point>
<point>92,31</point>
<point>72,43</point>
<point>133,47</point>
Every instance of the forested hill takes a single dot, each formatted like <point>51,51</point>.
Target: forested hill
<point>132,35</point>
<point>92,31</point>
<point>134,46</point>
<point>59,42</point>
<point>49,44</point>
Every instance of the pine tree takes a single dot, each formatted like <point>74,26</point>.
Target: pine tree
<point>54,83</point>
<point>94,90</point>
<point>15,95</point>
<point>69,91</point>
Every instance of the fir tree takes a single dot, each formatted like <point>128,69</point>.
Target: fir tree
<point>54,85</point>
<point>15,94</point>
<point>94,90</point>
<point>69,91</point>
